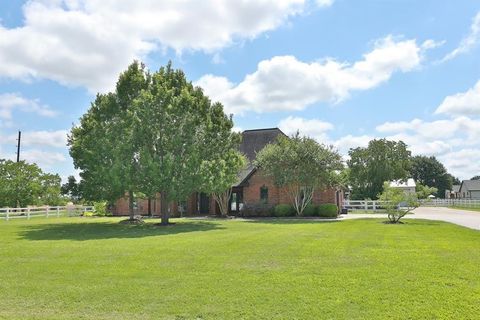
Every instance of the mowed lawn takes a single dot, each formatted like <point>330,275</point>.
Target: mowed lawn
<point>95,268</point>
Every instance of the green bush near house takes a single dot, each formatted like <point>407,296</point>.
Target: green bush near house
<point>328,210</point>
<point>310,211</point>
<point>100,208</point>
<point>88,214</point>
<point>259,209</point>
<point>284,210</point>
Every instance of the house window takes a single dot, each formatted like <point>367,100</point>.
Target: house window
<point>264,194</point>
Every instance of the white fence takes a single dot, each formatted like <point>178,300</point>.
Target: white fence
<point>31,212</point>
<point>467,203</point>
<point>364,205</point>
<point>368,205</point>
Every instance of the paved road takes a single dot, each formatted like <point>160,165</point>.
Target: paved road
<point>469,219</point>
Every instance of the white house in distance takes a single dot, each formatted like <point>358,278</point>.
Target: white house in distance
<point>470,189</point>
<point>408,186</point>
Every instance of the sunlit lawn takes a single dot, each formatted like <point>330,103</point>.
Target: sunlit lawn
<point>95,268</point>
<point>466,208</point>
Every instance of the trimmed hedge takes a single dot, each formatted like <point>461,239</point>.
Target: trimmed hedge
<point>259,209</point>
<point>284,210</point>
<point>310,211</point>
<point>328,210</point>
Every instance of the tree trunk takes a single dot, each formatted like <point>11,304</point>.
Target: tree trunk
<point>149,206</point>
<point>130,205</point>
<point>164,208</point>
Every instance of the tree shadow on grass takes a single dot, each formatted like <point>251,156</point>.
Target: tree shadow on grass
<point>110,230</point>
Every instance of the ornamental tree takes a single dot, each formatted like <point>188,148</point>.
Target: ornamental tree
<point>300,165</point>
<point>397,202</point>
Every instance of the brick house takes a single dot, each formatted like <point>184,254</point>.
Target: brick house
<point>251,187</point>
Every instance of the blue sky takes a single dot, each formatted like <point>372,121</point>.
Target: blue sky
<point>341,71</point>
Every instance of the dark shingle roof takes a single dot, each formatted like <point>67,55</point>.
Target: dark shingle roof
<point>255,140</point>
<point>470,185</point>
<point>252,142</point>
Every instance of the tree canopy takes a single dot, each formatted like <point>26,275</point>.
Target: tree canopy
<point>23,184</point>
<point>370,167</point>
<point>155,133</point>
<point>301,165</point>
<point>430,172</point>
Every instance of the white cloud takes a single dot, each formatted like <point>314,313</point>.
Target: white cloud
<point>468,42</point>
<point>324,3</point>
<point>56,139</point>
<point>285,83</point>
<point>42,158</point>
<point>313,128</point>
<point>462,163</point>
<point>88,42</point>
<point>456,142</point>
<point>466,103</point>
<point>10,102</point>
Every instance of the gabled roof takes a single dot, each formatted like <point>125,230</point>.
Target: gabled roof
<point>456,188</point>
<point>468,185</point>
<point>255,140</point>
<point>252,142</point>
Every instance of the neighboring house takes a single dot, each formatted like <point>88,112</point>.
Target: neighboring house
<point>454,193</point>
<point>408,186</point>
<point>470,189</point>
<point>252,186</point>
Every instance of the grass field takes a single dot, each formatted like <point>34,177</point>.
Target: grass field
<point>95,268</point>
<point>466,208</point>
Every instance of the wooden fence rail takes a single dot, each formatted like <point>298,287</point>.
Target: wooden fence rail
<point>45,211</point>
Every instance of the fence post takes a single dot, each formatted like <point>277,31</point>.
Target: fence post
<point>58,211</point>
<point>366,205</point>
<point>46,211</point>
<point>374,206</point>
<point>7,213</point>
<point>28,213</point>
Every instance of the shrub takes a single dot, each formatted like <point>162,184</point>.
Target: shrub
<point>88,214</point>
<point>259,209</point>
<point>310,211</point>
<point>328,210</point>
<point>284,210</point>
<point>100,208</point>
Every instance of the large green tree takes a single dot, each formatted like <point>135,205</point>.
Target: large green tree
<point>301,165</point>
<point>105,145</point>
<point>185,136</point>
<point>72,189</point>
<point>370,167</point>
<point>154,133</point>
<point>430,172</point>
<point>23,184</point>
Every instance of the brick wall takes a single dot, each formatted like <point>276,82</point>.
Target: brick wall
<point>276,195</point>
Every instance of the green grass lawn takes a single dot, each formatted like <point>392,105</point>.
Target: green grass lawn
<point>95,268</point>
<point>465,208</point>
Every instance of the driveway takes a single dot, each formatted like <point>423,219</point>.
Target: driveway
<point>469,219</point>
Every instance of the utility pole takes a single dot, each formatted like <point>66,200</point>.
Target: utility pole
<point>18,145</point>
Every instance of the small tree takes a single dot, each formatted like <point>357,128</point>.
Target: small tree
<point>398,203</point>
<point>219,175</point>
<point>301,165</point>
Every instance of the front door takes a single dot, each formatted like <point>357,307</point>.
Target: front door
<point>203,204</point>
<point>236,201</point>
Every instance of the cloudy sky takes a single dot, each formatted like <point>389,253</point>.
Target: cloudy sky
<point>341,71</point>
